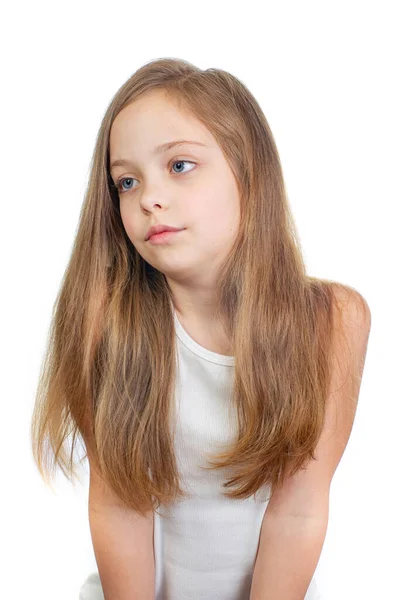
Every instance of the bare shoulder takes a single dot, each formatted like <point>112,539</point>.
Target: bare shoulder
<point>351,330</point>
<point>352,309</point>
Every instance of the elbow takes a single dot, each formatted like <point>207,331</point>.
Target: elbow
<point>313,525</point>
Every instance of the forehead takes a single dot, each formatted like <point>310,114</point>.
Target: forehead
<point>152,120</point>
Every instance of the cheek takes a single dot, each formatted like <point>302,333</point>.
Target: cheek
<point>218,219</point>
<point>127,222</point>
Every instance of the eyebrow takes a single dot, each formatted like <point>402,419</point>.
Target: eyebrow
<point>157,150</point>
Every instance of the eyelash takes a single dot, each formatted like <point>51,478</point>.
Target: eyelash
<point>118,184</point>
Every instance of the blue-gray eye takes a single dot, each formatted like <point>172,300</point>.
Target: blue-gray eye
<point>124,182</point>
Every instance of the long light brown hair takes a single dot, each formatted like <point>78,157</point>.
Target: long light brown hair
<point>109,368</point>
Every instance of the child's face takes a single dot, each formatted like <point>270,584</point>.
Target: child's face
<point>156,189</point>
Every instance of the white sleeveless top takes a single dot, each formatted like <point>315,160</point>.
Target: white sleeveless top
<point>206,546</point>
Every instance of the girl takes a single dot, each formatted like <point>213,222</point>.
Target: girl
<point>213,381</point>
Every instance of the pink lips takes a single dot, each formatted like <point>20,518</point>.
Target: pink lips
<point>162,238</point>
<point>159,229</point>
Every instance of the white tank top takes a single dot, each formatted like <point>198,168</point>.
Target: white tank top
<point>206,547</point>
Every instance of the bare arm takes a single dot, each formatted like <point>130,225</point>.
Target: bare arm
<point>123,545</point>
<point>296,519</point>
<point>289,551</point>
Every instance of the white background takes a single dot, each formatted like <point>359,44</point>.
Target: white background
<point>335,82</point>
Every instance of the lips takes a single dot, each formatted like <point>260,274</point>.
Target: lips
<point>159,229</point>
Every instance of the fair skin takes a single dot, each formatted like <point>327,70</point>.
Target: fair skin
<point>200,195</point>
